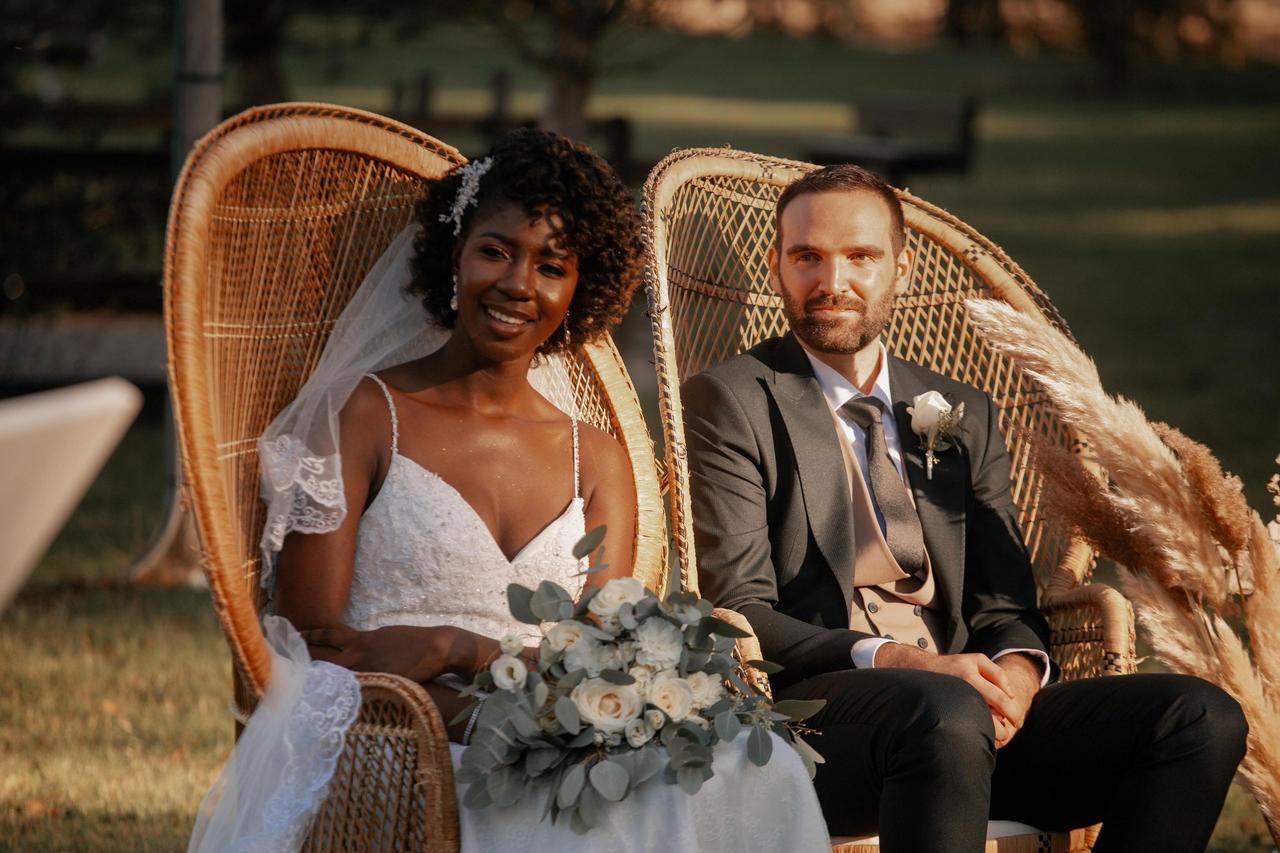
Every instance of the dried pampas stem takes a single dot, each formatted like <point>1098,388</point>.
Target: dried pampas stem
<point>1188,543</point>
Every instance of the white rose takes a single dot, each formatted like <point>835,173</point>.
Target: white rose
<point>614,594</point>
<point>642,675</point>
<point>608,707</point>
<point>671,695</point>
<point>926,409</point>
<point>564,635</point>
<point>660,643</point>
<point>707,689</point>
<point>655,718</point>
<point>508,672</point>
<point>511,645</point>
<point>638,732</point>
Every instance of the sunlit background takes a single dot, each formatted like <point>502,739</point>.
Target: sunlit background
<point>1124,152</point>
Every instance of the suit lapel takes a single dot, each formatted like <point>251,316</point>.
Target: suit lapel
<point>940,499</point>
<point>819,462</point>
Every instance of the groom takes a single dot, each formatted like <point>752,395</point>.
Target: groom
<point>905,598</point>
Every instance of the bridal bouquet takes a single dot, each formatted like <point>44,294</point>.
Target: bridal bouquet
<point>627,688</point>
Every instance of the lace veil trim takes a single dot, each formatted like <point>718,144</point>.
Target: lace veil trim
<point>272,786</point>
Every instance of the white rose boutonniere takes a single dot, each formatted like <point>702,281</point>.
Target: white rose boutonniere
<point>934,420</point>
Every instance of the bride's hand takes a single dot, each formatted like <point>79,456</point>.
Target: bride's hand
<point>417,653</point>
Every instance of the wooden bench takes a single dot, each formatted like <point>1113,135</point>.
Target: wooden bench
<point>897,136</point>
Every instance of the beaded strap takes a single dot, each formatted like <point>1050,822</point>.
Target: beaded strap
<point>395,424</point>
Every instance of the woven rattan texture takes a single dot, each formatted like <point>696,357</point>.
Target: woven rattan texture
<point>709,223</point>
<point>719,229</point>
<point>290,240</point>
<point>278,215</point>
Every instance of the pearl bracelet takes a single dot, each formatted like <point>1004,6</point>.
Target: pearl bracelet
<point>471,722</point>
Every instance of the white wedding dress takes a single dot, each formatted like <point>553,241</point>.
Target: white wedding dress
<point>423,557</point>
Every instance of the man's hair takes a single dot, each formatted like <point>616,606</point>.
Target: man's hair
<point>844,177</point>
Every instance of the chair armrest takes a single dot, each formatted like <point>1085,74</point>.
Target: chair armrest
<point>745,649</point>
<point>1091,631</point>
<point>393,786</point>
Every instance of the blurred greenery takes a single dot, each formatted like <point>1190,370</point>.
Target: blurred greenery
<point>1150,218</point>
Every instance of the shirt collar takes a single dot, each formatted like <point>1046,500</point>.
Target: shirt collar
<point>839,390</point>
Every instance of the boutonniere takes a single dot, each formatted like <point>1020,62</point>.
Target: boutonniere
<point>934,420</point>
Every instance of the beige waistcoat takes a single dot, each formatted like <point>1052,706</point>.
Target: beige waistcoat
<point>887,601</point>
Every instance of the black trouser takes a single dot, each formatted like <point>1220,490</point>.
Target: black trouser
<point>911,755</point>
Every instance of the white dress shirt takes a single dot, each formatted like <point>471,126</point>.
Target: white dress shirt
<point>838,390</point>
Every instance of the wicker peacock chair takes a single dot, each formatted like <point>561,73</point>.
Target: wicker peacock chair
<point>709,218</point>
<point>277,216</point>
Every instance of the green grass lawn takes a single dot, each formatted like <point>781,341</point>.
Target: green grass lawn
<point>1151,219</point>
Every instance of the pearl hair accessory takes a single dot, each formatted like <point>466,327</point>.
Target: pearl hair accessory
<point>471,174</point>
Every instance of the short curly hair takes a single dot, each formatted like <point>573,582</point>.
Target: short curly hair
<point>544,173</point>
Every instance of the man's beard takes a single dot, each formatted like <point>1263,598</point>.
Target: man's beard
<point>842,336</point>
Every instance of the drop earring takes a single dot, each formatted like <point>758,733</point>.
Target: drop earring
<point>565,323</point>
<point>453,302</point>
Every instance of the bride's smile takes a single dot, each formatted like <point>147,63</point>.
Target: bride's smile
<point>515,282</point>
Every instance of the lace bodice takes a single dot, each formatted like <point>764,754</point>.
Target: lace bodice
<point>423,556</point>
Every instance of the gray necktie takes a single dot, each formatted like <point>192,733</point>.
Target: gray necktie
<point>901,524</point>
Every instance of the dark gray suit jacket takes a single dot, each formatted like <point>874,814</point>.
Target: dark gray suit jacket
<point>772,517</point>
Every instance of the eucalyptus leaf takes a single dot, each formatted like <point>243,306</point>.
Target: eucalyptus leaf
<point>647,763</point>
<point>583,738</point>
<point>722,628</point>
<point>617,676</point>
<point>690,779</point>
<point>525,724</point>
<point>505,786</point>
<point>539,761</point>
<point>577,824</point>
<point>646,607</point>
<point>767,667</point>
<point>697,661</point>
<point>570,680</point>
<point>541,693</point>
<point>627,616</point>
<point>728,725</point>
<point>582,607</point>
<point>477,796</point>
<point>589,805</point>
<point>759,746</point>
<point>811,756</point>
<point>610,779</point>
<point>589,542</point>
<point>740,685</point>
<point>551,809</point>
<point>547,600</point>
<point>518,598</point>
<point>567,715</point>
<point>465,775</point>
<point>571,786</point>
<point>799,709</point>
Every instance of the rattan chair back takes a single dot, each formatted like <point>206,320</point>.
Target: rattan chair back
<point>276,218</point>
<point>710,215</point>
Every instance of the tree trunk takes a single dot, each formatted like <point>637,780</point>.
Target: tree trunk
<point>570,75</point>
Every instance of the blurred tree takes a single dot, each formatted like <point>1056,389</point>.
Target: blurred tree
<point>1117,30</point>
<point>974,20</point>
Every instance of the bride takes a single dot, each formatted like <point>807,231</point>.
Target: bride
<point>435,457</point>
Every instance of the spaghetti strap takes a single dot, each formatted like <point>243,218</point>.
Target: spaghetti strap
<point>395,423</point>
<point>577,476</point>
